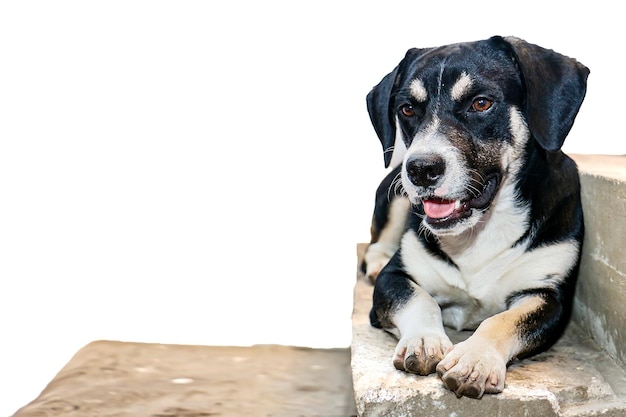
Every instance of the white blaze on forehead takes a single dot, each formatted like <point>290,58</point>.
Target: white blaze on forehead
<point>418,90</point>
<point>461,87</point>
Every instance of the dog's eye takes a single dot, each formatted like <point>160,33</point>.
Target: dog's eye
<point>407,110</point>
<point>481,104</point>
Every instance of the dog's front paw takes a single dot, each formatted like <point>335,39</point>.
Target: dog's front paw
<point>376,257</point>
<point>472,369</point>
<point>420,355</point>
<point>374,267</point>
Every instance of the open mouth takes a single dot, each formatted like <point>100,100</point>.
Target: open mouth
<point>441,212</point>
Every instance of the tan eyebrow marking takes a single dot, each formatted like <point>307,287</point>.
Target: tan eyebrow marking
<point>418,91</point>
<point>461,87</point>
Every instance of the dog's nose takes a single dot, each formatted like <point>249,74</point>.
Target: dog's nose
<point>425,170</point>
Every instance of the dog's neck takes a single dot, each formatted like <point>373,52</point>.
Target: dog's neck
<point>501,227</point>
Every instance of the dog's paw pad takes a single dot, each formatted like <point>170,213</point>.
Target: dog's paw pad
<point>418,364</point>
<point>420,355</point>
<point>469,371</point>
<point>398,358</point>
<point>494,384</point>
<point>471,386</point>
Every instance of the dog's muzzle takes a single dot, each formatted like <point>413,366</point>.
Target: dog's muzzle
<point>427,173</point>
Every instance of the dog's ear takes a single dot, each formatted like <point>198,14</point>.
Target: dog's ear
<point>379,106</point>
<point>555,89</point>
<point>378,101</point>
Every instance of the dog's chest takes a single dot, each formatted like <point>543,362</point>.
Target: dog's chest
<point>475,291</point>
<point>490,266</point>
<point>467,292</point>
<point>485,271</point>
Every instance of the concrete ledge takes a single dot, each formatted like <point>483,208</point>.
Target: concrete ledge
<point>601,291</point>
<point>119,379</point>
<point>574,378</point>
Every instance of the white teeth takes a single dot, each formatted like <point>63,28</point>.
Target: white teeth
<point>457,204</point>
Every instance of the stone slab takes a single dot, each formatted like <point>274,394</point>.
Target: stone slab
<point>601,291</point>
<point>107,379</point>
<point>574,378</point>
<point>611,167</point>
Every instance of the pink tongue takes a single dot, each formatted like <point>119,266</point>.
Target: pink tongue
<point>438,209</point>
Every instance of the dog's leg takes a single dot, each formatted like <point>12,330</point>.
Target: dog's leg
<point>401,307</point>
<point>478,364</point>
<point>379,252</point>
<point>423,342</point>
<point>388,224</point>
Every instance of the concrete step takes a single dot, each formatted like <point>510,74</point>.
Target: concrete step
<point>600,307</point>
<point>125,379</point>
<point>582,375</point>
<point>574,378</point>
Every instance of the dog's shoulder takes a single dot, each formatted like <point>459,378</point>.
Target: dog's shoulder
<point>551,185</point>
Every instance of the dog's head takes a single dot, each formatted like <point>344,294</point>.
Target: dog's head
<point>468,114</point>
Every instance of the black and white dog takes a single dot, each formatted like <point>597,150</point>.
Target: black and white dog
<point>481,226</point>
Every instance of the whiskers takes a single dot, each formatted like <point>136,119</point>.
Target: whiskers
<point>478,179</point>
<point>423,231</point>
<point>396,189</point>
<point>389,150</point>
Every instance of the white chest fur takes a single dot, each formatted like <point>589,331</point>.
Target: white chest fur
<point>489,265</point>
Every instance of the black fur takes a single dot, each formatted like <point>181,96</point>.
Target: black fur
<point>547,89</point>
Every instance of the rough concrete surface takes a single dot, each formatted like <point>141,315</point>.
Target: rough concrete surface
<point>152,380</point>
<point>601,288</point>
<point>574,378</point>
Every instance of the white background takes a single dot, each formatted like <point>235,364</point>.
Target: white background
<point>200,172</point>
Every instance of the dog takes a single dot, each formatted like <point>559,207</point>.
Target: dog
<point>481,226</point>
